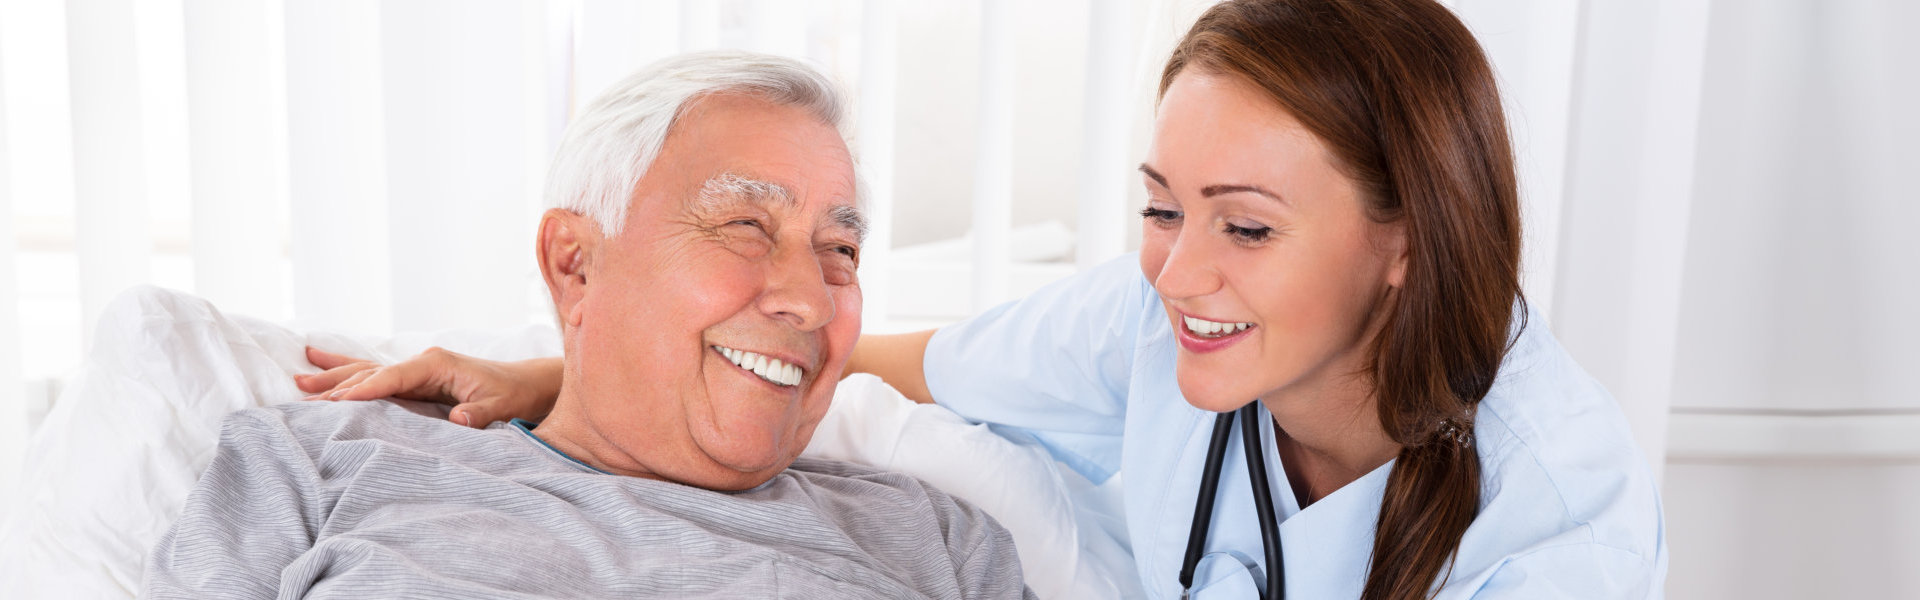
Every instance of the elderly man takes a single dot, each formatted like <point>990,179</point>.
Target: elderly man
<point>702,260</point>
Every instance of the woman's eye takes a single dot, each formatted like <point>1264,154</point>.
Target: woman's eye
<point>1160,216</point>
<point>1248,234</point>
<point>748,222</point>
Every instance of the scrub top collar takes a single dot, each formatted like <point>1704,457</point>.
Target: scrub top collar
<point>1324,541</point>
<point>1371,487</point>
<point>1327,546</point>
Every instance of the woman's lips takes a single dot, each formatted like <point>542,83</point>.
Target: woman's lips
<point>1192,342</point>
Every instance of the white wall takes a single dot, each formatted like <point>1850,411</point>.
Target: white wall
<point>1776,530</point>
<point>939,69</point>
<point>10,453</point>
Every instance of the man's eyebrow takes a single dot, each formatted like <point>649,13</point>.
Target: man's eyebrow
<point>851,219</point>
<point>730,187</point>
<point>1216,189</point>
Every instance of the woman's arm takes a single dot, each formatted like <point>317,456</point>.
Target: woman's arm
<point>897,359</point>
<point>483,391</point>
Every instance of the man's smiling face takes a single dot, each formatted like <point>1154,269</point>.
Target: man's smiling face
<point>710,333</point>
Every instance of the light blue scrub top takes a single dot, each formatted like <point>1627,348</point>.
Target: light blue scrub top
<point>1568,507</point>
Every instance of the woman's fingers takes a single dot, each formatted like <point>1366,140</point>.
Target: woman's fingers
<point>503,401</point>
<point>328,360</point>
<point>477,415</point>
<point>480,391</point>
<point>419,378</point>
<point>340,391</point>
<point>326,381</point>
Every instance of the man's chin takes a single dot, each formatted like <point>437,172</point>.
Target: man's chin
<point>749,432</point>
<point>723,477</point>
<point>741,462</point>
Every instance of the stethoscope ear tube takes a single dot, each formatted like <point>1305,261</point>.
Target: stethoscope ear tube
<point>1262,501</point>
<point>1203,510</point>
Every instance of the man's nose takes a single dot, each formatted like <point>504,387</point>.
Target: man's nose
<point>1190,271</point>
<point>797,291</point>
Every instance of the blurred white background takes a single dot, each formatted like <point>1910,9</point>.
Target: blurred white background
<point>1717,225</point>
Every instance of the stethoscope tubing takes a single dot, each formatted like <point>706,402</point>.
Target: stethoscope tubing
<point>1262,500</point>
<point>1203,509</point>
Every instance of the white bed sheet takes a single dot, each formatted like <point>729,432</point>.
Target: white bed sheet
<point>112,464</point>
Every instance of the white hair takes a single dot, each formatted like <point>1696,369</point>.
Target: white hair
<point>610,145</point>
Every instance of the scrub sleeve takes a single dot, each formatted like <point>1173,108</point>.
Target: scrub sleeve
<point>1055,365</point>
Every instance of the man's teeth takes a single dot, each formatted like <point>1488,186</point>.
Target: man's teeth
<point>1213,329</point>
<point>770,369</point>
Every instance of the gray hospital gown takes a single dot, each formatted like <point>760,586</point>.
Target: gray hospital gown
<point>368,500</point>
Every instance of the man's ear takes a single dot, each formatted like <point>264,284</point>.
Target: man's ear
<point>566,246</point>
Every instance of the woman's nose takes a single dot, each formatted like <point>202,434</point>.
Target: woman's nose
<point>1189,271</point>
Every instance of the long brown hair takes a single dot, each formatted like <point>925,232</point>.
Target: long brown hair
<point>1404,99</point>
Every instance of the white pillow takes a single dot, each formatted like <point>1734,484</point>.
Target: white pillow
<point>112,465</point>
<point>872,424</point>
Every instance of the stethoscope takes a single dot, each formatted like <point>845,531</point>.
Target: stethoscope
<point>1262,501</point>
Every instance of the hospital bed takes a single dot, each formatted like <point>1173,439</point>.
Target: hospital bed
<point>115,459</point>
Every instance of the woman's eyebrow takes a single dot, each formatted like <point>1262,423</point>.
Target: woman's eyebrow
<point>1217,189</point>
<point>1154,175</point>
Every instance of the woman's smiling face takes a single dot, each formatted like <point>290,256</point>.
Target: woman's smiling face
<point>1262,251</point>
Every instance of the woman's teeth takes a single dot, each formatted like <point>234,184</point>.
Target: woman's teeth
<point>1210,329</point>
<point>770,369</point>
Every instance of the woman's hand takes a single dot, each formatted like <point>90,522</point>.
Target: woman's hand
<point>480,391</point>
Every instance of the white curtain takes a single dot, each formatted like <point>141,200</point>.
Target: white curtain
<point>1795,446</point>
<point>1806,218</point>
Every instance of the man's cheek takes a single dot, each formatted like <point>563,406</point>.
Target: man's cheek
<point>846,317</point>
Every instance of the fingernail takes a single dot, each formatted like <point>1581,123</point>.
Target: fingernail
<point>460,416</point>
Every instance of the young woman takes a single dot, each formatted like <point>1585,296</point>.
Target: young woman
<point>1331,252</point>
